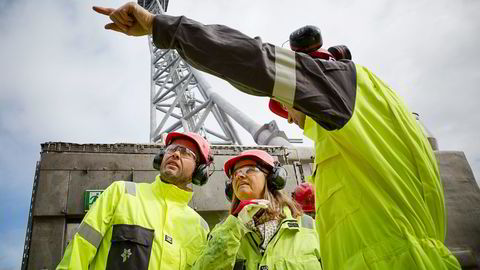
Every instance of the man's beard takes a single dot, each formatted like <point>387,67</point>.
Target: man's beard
<point>170,177</point>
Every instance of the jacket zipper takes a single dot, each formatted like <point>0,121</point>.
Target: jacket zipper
<point>273,237</point>
<point>252,239</point>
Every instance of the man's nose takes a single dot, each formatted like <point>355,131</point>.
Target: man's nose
<point>176,154</point>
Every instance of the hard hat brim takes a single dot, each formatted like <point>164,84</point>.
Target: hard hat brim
<point>277,108</point>
<point>202,144</point>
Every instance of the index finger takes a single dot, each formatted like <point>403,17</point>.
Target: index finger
<point>103,10</point>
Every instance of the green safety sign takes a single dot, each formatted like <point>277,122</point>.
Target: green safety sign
<point>90,196</point>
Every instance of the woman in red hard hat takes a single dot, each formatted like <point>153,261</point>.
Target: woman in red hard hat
<point>266,229</point>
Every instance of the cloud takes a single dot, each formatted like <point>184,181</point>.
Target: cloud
<point>71,65</point>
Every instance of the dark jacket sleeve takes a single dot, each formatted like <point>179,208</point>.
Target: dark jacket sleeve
<point>323,90</point>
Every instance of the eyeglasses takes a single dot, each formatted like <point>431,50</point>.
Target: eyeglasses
<point>184,152</point>
<point>245,170</point>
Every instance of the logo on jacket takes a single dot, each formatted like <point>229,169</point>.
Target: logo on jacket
<point>126,254</point>
<point>169,239</point>
<point>293,225</point>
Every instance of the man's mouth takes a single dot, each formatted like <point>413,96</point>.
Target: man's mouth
<point>172,164</point>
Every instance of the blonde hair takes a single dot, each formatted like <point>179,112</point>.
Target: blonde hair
<point>278,200</point>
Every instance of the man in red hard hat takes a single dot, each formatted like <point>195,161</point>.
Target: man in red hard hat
<point>145,225</point>
<point>379,197</point>
<point>305,197</point>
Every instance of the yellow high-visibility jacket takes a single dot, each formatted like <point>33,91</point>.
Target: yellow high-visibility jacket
<point>379,197</point>
<point>232,246</point>
<point>138,226</point>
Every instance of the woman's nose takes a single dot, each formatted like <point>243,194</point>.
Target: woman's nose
<point>239,174</point>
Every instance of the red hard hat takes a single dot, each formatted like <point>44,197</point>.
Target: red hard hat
<point>202,144</point>
<point>277,108</point>
<point>259,156</point>
<point>304,196</point>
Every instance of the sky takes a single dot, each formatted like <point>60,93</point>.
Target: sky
<point>64,78</point>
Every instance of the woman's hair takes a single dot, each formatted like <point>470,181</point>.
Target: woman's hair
<point>278,200</point>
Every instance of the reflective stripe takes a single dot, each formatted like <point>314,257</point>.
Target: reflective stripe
<point>205,224</point>
<point>285,77</point>
<point>89,233</point>
<point>307,222</point>
<point>130,188</point>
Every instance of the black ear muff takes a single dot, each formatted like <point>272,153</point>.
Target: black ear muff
<point>277,179</point>
<point>229,190</point>
<point>200,175</point>
<point>340,52</point>
<point>306,39</point>
<point>157,160</point>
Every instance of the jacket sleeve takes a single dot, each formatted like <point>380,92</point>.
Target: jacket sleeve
<point>83,247</point>
<point>323,90</point>
<point>197,243</point>
<point>308,223</point>
<point>222,246</point>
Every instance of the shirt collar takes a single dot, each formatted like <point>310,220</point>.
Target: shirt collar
<point>171,192</point>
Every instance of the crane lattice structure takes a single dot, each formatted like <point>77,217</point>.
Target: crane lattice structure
<point>181,100</point>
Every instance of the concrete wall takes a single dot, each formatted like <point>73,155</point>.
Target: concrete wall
<point>462,198</point>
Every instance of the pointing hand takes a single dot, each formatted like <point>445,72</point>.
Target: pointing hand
<point>130,19</point>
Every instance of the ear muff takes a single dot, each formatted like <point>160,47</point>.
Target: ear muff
<point>340,52</point>
<point>157,160</point>
<point>276,180</point>
<point>199,176</point>
<point>229,190</point>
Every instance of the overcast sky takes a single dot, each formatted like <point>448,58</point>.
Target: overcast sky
<point>64,78</point>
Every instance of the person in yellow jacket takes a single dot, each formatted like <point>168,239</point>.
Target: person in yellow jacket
<point>147,226</point>
<point>266,229</point>
<point>379,196</point>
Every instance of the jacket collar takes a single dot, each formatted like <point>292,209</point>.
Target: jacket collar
<point>171,192</point>
<point>309,129</point>
<point>289,222</point>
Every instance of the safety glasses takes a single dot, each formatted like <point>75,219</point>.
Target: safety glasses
<point>184,152</point>
<point>245,170</point>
